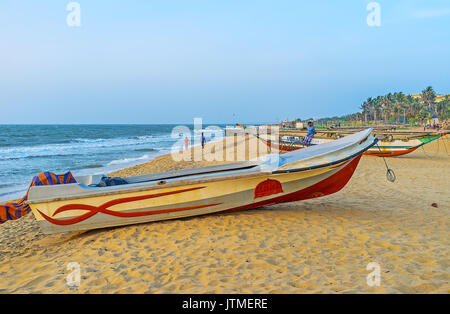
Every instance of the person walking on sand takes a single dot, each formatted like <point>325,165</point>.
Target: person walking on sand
<point>203,140</point>
<point>186,143</point>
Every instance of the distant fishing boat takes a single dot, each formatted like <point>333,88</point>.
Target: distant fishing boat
<point>303,174</point>
<point>387,146</point>
<point>393,148</point>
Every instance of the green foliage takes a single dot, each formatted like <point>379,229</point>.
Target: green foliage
<point>397,107</point>
<point>394,107</point>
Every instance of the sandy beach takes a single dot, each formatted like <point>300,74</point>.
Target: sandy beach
<point>314,246</point>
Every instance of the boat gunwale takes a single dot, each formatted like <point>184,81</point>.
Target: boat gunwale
<point>375,140</point>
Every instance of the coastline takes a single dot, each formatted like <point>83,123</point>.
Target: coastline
<point>165,162</point>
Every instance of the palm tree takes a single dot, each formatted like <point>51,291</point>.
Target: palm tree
<point>417,106</point>
<point>376,106</point>
<point>365,107</point>
<point>422,114</point>
<point>386,105</point>
<point>400,105</point>
<point>409,104</point>
<point>443,107</point>
<point>429,97</point>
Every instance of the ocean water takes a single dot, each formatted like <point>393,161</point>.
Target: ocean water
<point>26,150</point>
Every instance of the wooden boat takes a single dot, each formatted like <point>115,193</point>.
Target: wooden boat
<point>398,147</point>
<point>307,173</point>
<point>387,146</point>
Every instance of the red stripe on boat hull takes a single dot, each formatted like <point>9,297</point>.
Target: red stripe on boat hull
<point>390,153</point>
<point>93,210</point>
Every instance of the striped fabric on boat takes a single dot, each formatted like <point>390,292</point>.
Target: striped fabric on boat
<point>15,210</point>
<point>307,139</point>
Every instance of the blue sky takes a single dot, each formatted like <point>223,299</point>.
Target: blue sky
<point>222,60</point>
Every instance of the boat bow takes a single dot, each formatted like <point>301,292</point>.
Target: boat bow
<point>326,154</point>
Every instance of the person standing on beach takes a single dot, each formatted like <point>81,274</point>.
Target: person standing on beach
<point>186,143</point>
<point>203,140</point>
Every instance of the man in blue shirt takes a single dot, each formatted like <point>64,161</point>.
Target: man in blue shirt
<point>310,128</point>
<point>311,131</point>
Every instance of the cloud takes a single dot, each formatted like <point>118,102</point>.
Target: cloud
<point>431,13</point>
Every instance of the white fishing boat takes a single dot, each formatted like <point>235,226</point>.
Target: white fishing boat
<point>303,174</point>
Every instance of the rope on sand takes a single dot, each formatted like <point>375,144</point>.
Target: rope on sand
<point>444,140</point>
<point>430,156</point>
<point>439,145</point>
<point>390,174</point>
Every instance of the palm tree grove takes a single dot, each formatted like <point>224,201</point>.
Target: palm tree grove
<point>398,108</point>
